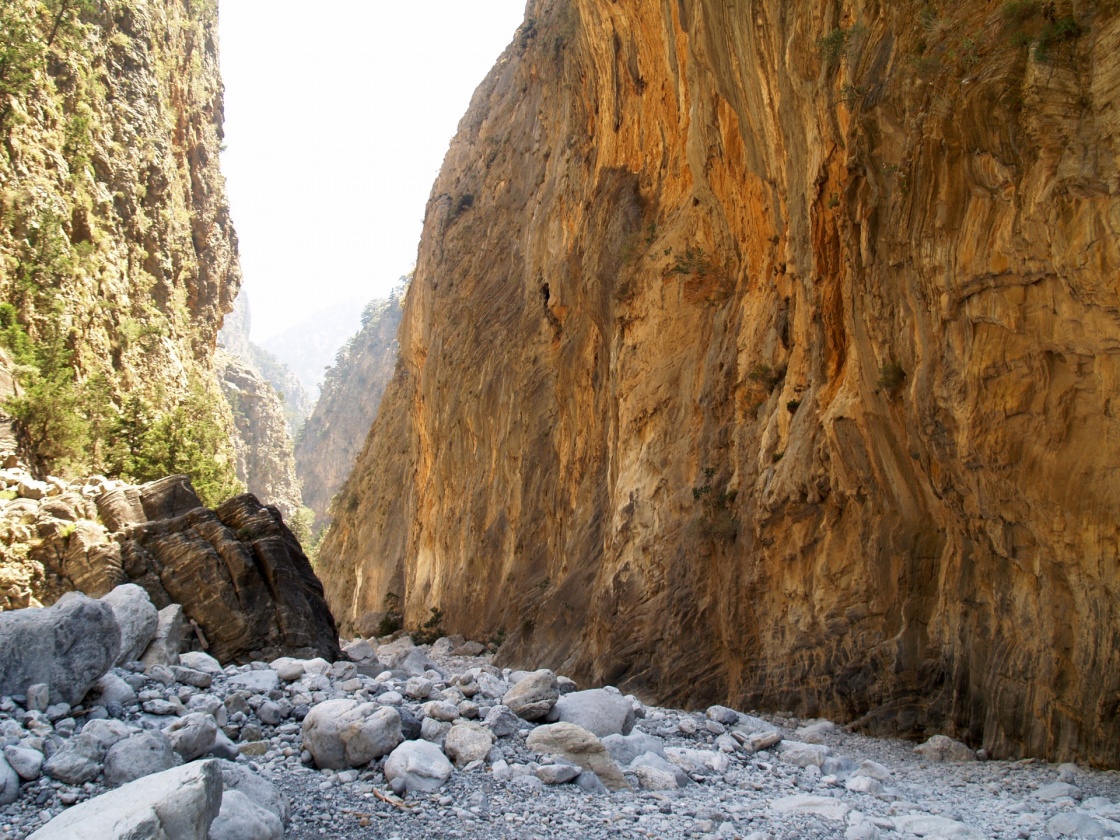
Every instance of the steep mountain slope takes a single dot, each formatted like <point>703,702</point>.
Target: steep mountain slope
<point>234,337</point>
<point>765,352</point>
<point>352,390</point>
<point>310,347</point>
<point>117,257</point>
<point>265,457</point>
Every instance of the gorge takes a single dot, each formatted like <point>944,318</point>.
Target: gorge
<point>756,354</point>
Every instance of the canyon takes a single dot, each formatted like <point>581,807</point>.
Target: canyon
<point>756,354</point>
<point>764,355</point>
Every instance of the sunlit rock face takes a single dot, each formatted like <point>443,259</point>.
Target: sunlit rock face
<point>765,354</point>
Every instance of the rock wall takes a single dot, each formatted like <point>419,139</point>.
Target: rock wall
<point>262,416</point>
<point>265,461</point>
<point>333,435</point>
<point>117,254</point>
<point>765,354</point>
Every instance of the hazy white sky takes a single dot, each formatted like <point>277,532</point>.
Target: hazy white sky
<point>338,115</point>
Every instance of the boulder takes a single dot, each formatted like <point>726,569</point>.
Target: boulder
<point>467,742</point>
<point>177,804</point>
<point>200,661</point>
<point>534,696</point>
<point>240,778</point>
<point>824,807</point>
<point>258,682</point>
<point>654,761</point>
<point>345,733</point>
<point>113,689</point>
<point>139,755</point>
<point>703,762</point>
<point>192,735</point>
<point>9,783</point>
<point>597,710</point>
<point>68,647</point>
<point>238,570</point>
<point>168,642</point>
<point>943,748</point>
<point>580,746</point>
<point>502,722</point>
<point>78,761</point>
<point>625,748</point>
<point>557,774</point>
<point>417,766</point>
<point>27,763</point>
<point>241,818</point>
<point>137,618</point>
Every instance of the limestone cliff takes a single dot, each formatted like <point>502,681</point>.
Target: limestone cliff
<point>265,461</point>
<point>263,442</point>
<point>765,352</point>
<point>117,257</point>
<point>347,405</point>
<point>234,337</point>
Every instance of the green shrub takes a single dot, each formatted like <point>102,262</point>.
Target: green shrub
<point>430,630</point>
<point>147,445</point>
<point>891,376</point>
<point>1055,33</point>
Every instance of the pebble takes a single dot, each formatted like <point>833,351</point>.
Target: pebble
<point>764,778</point>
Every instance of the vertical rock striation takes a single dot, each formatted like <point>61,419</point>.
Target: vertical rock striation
<point>765,354</point>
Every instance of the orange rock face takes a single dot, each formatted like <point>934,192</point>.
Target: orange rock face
<point>765,354</point>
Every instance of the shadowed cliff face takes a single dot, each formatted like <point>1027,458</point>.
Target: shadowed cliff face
<point>765,354</point>
<point>352,390</point>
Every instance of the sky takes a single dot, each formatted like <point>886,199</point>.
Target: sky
<point>338,114</point>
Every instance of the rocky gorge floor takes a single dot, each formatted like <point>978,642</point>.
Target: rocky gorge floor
<point>442,747</point>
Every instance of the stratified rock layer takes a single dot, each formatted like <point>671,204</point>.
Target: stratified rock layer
<point>237,570</point>
<point>765,354</point>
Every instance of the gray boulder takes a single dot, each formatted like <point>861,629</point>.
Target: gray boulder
<point>177,804</point>
<point>138,756</point>
<point>240,778</point>
<point>137,618</point>
<point>27,763</point>
<point>9,783</point>
<point>79,759</point>
<point>578,745</point>
<point>200,661</point>
<point>112,689</point>
<point>240,818</point>
<point>625,748</point>
<point>68,647</point>
<point>345,733</point>
<point>534,695</point>
<point>166,645</point>
<point>502,722</point>
<point>258,682</point>
<point>192,735</point>
<point>597,710</point>
<point>417,766</point>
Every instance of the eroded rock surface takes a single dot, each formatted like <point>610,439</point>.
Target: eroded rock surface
<point>765,356</point>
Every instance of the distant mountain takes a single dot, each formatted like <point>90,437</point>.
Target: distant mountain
<point>310,346</point>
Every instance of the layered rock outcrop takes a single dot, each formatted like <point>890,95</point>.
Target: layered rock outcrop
<point>765,354</point>
<point>334,433</point>
<point>238,571</point>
